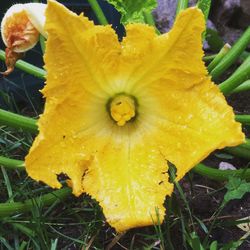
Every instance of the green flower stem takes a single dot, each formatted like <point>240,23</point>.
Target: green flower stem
<point>98,12</point>
<point>239,151</point>
<point>238,77</point>
<point>245,86</point>
<point>220,175</point>
<point>232,55</point>
<point>218,57</point>
<point>209,58</point>
<point>8,209</point>
<point>42,43</point>
<point>181,5</point>
<point>244,119</point>
<point>26,67</point>
<point>18,121</point>
<point>11,163</point>
<point>149,19</point>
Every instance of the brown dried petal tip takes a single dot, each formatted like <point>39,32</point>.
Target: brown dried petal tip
<point>10,60</point>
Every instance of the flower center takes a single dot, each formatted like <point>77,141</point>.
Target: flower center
<point>122,109</point>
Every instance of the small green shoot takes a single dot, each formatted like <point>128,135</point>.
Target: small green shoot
<point>236,189</point>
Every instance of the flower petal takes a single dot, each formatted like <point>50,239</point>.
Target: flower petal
<point>72,83</point>
<point>66,128</point>
<point>74,45</point>
<point>130,182</point>
<point>184,111</point>
<point>181,115</point>
<point>36,14</point>
<point>173,56</point>
<point>190,123</point>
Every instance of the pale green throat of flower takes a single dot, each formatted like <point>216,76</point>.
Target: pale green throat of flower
<point>122,109</point>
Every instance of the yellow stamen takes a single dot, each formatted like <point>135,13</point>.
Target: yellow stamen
<point>122,109</point>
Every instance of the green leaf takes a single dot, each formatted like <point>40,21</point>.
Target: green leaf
<point>194,241</point>
<point>232,245</point>
<point>204,5</point>
<point>236,189</point>
<point>214,245</point>
<point>133,11</point>
<point>224,156</point>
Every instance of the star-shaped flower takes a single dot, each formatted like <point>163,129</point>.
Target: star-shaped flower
<point>116,112</point>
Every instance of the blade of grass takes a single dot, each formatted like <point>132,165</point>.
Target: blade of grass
<point>5,243</point>
<point>214,216</point>
<point>7,184</point>
<point>168,234</point>
<point>182,195</point>
<point>157,226</point>
<point>30,233</point>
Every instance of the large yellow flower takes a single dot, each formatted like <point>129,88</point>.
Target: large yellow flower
<point>116,112</point>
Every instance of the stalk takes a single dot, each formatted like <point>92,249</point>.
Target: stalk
<point>244,119</point>
<point>27,67</point>
<point>220,175</point>
<point>209,58</point>
<point>237,78</point>
<point>239,151</point>
<point>18,121</point>
<point>232,55</point>
<point>149,19</point>
<point>8,209</point>
<point>245,86</point>
<point>98,12</point>
<point>181,5</point>
<point>42,43</point>
<point>218,57</point>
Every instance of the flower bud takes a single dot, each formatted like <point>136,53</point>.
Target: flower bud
<point>20,30</point>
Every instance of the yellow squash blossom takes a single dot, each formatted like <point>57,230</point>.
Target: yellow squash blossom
<point>116,112</point>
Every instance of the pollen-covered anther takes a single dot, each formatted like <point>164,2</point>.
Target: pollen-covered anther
<point>122,109</point>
